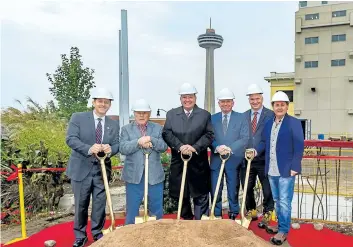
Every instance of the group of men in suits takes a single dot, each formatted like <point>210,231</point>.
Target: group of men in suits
<point>188,130</point>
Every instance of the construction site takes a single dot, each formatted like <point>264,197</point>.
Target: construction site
<point>320,90</point>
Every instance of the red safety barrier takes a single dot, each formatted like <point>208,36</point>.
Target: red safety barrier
<point>307,143</point>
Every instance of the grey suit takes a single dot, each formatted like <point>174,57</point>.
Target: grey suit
<point>84,170</point>
<point>134,163</point>
<point>134,170</point>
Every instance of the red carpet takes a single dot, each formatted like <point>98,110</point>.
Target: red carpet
<point>306,236</point>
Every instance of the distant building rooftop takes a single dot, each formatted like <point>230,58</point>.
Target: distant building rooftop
<point>280,76</point>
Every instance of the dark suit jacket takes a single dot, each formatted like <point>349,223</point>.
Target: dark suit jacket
<point>196,131</point>
<point>81,135</point>
<point>255,139</point>
<point>289,146</point>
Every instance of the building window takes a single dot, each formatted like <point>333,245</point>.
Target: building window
<point>312,16</point>
<point>289,94</point>
<point>311,64</point>
<point>338,62</point>
<point>311,40</point>
<point>339,13</point>
<point>323,2</point>
<point>303,4</point>
<point>338,37</point>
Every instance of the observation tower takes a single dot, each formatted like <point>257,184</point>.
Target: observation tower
<point>210,41</point>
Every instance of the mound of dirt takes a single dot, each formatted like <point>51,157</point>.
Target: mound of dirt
<point>173,233</point>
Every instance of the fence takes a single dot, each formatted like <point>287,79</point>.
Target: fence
<point>324,190</point>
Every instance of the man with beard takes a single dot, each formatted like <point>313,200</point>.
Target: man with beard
<point>188,130</point>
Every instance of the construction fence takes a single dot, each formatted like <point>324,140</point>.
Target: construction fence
<point>323,192</point>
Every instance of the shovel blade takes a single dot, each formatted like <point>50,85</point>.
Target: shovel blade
<point>139,220</point>
<point>142,219</point>
<point>108,230</point>
<point>151,218</point>
<point>205,217</point>
<point>244,222</point>
<point>212,217</point>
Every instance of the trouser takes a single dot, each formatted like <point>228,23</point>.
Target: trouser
<point>257,169</point>
<point>201,207</point>
<point>92,184</point>
<point>232,179</point>
<point>134,196</point>
<point>282,191</point>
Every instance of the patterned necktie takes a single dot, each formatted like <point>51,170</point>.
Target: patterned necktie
<point>142,129</point>
<point>225,124</point>
<point>187,114</point>
<point>254,122</point>
<point>99,132</point>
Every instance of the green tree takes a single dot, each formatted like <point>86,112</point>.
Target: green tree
<point>71,84</point>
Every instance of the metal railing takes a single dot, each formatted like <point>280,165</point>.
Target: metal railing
<point>324,190</point>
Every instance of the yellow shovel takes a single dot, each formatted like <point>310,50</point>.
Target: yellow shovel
<point>212,216</point>
<point>101,157</point>
<point>145,217</point>
<point>245,222</point>
<point>181,194</point>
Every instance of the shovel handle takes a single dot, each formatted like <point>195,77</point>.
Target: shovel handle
<point>224,157</point>
<point>249,154</point>
<point>185,159</point>
<point>182,186</point>
<point>146,150</point>
<point>101,158</point>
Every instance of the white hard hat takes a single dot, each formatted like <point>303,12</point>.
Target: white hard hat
<point>187,88</point>
<point>225,93</point>
<point>141,105</point>
<point>102,93</point>
<point>280,96</point>
<point>254,89</point>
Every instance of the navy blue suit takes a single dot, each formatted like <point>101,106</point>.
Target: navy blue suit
<point>236,137</point>
<point>289,147</point>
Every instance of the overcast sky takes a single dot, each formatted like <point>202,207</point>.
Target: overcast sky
<point>163,48</point>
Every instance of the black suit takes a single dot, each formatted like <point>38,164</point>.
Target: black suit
<point>258,164</point>
<point>197,131</point>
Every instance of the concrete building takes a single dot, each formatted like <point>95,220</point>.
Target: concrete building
<point>324,66</point>
<point>210,41</point>
<point>283,82</point>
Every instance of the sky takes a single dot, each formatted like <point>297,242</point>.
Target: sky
<point>163,47</point>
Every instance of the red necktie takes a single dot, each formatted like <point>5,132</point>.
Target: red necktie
<point>254,122</point>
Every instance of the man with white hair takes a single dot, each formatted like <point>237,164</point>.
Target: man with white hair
<point>137,136</point>
<point>188,130</point>
<point>231,136</point>
<point>88,134</point>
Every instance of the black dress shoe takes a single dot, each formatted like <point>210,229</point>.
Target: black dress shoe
<point>98,236</point>
<point>232,216</point>
<point>80,242</point>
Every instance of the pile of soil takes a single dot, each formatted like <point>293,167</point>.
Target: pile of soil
<point>173,233</point>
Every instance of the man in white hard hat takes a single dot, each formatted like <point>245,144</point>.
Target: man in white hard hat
<point>137,138</point>
<point>231,136</point>
<point>88,134</point>
<point>257,116</point>
<point>188,129</point>
<point>283,144</point>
